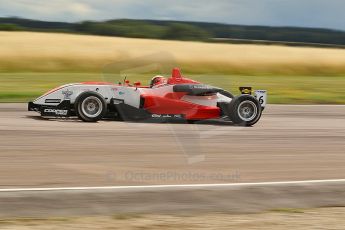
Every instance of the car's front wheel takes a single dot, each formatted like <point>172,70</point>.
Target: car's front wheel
<point>244,110</point>
<point>90,106</point>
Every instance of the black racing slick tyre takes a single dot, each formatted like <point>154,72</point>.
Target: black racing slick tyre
<point>90,106</point>
<point>244,110</point>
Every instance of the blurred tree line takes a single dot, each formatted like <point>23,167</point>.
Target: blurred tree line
<point>172,30</point>
<point>144,29</point>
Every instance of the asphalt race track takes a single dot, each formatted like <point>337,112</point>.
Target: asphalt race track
<point>290,143</point>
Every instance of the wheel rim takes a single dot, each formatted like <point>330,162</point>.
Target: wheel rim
<point>247,110</point>
<point>92,106</point>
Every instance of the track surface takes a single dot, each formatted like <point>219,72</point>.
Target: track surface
<point>289,143</point>
<point>231,198</point>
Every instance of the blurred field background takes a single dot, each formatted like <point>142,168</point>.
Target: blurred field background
<point>33,62</point>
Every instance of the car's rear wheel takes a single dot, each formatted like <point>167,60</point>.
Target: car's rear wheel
<point>90,107</point>
<point>244,110</point>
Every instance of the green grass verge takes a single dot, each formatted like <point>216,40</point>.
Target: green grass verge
<point>22,87</point>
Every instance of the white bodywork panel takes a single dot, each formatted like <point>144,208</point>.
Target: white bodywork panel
<point>261,95</point>
<point>129,95</point>
<point>222,98</point>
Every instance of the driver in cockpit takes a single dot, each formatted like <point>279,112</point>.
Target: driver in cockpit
<point>157,81</point>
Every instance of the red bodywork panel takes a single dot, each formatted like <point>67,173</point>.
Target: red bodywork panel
<point>171,104</point>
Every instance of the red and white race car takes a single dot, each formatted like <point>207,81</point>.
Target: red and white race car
<point>173,98</point>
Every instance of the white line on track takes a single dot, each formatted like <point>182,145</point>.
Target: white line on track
<point>175,186</point>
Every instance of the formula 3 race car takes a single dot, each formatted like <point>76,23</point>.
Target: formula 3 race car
<point>173,98</point>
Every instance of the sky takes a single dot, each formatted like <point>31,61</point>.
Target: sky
<point>301,13</point>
